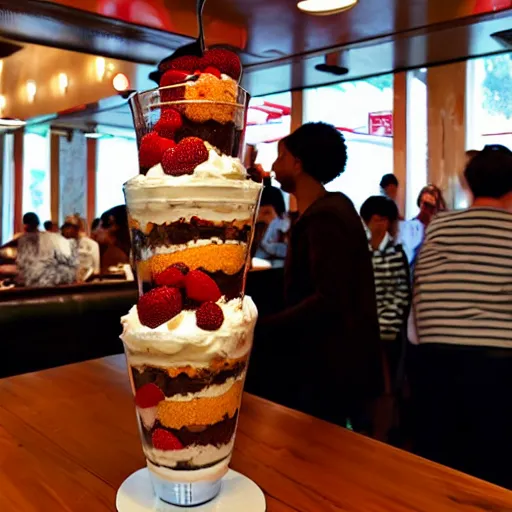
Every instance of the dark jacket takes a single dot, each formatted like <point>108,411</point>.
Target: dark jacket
<point>329,331</point>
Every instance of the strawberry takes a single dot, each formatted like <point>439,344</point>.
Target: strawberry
<point>201,287</point>
<point>169,123</point>
<point>164,440</point>
<point>152,147</point>
<point>225,61</point>
<point>148,416</point>
<point>148,395</point>
<point>187,63</point>
<point>173,77</point>
<point>182,267</point>
<point>172,276</point>
<point>159,305</point>
<point>185,157</point>
<point>209,316</point>
<point>213,71</point>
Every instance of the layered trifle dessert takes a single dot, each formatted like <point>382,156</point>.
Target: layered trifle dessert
<point>191,212</point>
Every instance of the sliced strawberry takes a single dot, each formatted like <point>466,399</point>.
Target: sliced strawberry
<point>225,61</point>
<point>187,63</point>
<point>169,78</point>
<point>152,148</point>
<point>164,440</point>
<point>169,123</point>
<point>201,287</point>
<point>185,157</point>
<point>182,267</point>
<point>148,416</point>
<point>209,316</point>
<point>148,395</point>
<point>171,276</point>
<point>159,305</point>
<point>213,71</point>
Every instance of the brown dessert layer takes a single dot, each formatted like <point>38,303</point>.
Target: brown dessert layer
<point>181,232</point>
<point>225,137</point>
<point>218,434</point>
<point>183,383</point>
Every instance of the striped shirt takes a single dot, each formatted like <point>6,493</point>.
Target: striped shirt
<point>463,279</point>
<point>392,287</point>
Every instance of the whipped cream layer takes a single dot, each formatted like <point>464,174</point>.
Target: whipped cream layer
<point>219,186</point>
<point>180,342</point>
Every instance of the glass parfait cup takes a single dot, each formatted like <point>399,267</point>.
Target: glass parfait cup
<point>187,343</point>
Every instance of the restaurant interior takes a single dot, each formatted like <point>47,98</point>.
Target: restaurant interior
<point>411,85</point>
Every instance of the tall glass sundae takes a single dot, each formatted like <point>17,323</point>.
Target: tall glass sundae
<point>191,212</point>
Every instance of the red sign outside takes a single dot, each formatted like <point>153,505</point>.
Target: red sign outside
<point>380,123</point>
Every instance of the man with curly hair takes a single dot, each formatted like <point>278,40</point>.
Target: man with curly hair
<point>329,332</point>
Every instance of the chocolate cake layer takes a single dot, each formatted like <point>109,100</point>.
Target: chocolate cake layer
<point>181,232</point>
<point>225,137</point>
<point>183,384</point>
<point>218,434</point>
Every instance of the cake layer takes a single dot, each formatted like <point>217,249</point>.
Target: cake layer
<point>183,383</point>
<point>200,435</point>
<point>184,230</point>
<point>227,258</point>
<point>200,411</point>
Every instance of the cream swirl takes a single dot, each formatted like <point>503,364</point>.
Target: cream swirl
<point>181,342</point>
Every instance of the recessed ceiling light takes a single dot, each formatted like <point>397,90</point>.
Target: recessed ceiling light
<point>325,7</point>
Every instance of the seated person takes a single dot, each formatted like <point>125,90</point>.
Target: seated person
<point>274,243</point>
<point>45,259</point>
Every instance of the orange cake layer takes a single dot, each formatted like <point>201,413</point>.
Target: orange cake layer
<point>216,365</point>
<point>227,258</point>
<point>200,411</point>
<point>208,87</point>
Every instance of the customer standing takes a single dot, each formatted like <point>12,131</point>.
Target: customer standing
<point>463,297</point>
<point>329,333</point>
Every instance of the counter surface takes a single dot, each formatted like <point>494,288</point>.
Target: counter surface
<point>69,438</point>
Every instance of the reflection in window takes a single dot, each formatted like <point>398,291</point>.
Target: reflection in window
<point>36,172</point>
<point>117,162</point>
<point>363,112</point>
<point>7,208</point>
<point>268,121</point>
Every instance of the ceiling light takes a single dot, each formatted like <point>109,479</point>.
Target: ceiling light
<point>31,90</point>
<point>100,67</point>
<point>121,82</point>
<point>63,82</point>
<point>325,7</point>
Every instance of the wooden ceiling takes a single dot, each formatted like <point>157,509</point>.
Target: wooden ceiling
<point>279,45</point>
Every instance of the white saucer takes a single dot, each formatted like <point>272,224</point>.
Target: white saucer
<point>237,493</point>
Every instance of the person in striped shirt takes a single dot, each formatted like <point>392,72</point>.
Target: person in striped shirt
<point>392,282</point>
<point>463,317</point>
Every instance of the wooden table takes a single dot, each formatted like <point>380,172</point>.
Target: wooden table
<point>68,438</point>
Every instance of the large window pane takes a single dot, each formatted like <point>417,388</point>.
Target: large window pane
<point>362,111</point>
<point>36,172</point>
<point>417,138</point>
<point>268,121</point>
<point>489,97</point>
<point>117,162</point>
<point>8,189</point>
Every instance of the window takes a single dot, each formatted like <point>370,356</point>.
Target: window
<point>36,172</point>
<point>489,101</point>
<point>7,208</point>
<point>363,112</point>
<point>417,137</point>
<point>117,162</point>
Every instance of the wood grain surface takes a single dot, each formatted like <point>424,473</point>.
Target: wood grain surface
<point>68,439</point>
